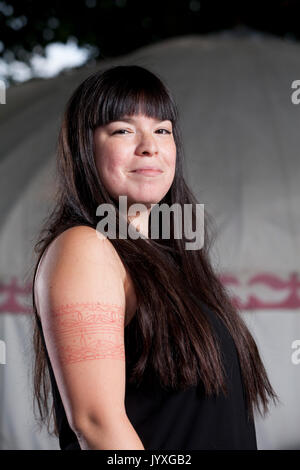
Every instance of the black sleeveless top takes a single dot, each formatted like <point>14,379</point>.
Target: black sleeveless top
<point>178,420</point>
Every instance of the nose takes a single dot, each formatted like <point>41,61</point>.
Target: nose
<point>146,145</point>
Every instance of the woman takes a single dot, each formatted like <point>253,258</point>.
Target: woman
<point>143,346</point>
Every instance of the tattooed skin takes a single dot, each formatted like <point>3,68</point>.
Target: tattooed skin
<point>87,331</point>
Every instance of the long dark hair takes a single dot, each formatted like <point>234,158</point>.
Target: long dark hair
<point>175,340</point>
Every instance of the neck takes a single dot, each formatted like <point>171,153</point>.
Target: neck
<point>140,221</point>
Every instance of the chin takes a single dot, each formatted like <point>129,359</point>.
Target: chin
<point>147,197</point>
<point>146,200</point>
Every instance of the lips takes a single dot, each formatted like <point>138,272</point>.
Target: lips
<point>147,172</point>
<point>152,168</point>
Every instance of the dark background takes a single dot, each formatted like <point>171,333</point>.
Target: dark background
<point>115,27</point>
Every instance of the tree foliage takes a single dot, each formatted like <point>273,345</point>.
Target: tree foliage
<point>116,27</point>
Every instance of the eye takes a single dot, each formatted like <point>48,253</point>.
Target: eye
<point>120,131</point>
<point>166,130</point>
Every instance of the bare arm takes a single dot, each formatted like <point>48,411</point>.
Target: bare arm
<point>81,301</point>
<point>119,435</point>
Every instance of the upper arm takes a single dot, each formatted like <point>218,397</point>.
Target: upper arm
<point>81,302</point>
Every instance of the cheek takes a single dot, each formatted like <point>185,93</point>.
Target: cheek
<point>111,164</point>
<point>172,159</point>
<point>110,161</point>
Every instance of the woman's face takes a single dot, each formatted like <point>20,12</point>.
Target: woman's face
<point>123,147</point>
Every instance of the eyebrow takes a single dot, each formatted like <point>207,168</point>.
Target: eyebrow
<point>128,119</point>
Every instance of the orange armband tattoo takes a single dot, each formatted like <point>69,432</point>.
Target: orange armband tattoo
<point>87,331</point>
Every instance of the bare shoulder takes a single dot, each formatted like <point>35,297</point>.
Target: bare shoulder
<point>89,240</point>
<point>80,260</point>
<point>78,241</point>
<point>82,305</point>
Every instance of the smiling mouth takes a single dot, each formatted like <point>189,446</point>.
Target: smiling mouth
<point>147,172</point>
